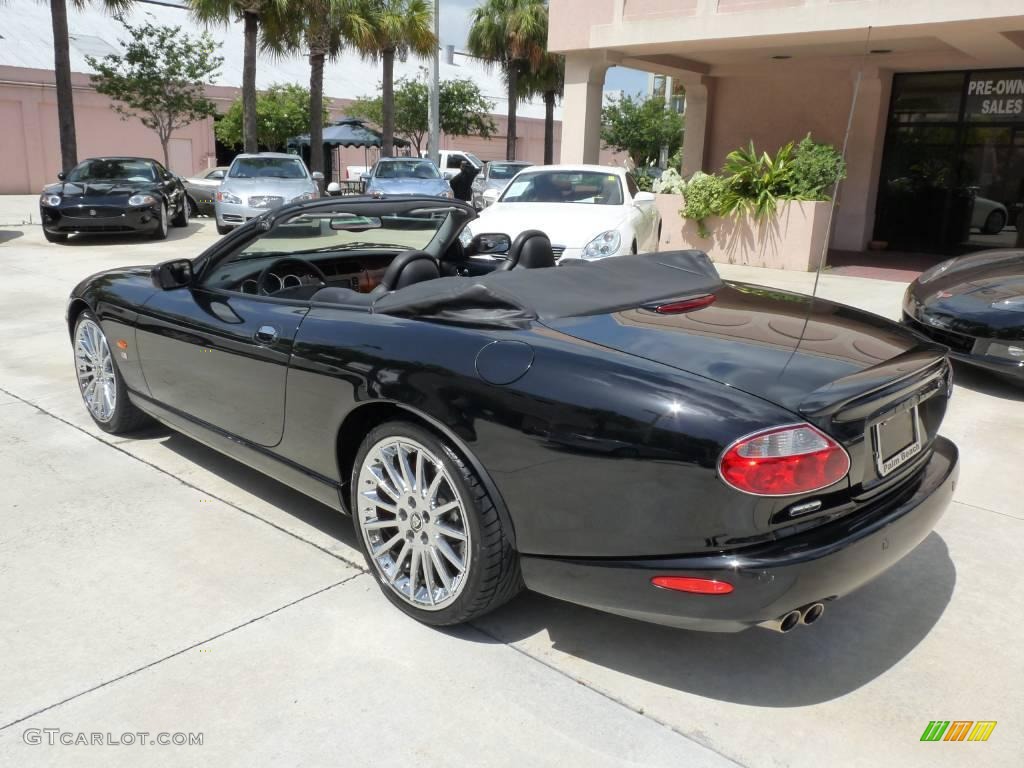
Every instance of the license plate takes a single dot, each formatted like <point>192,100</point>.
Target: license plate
<point>896,440</point>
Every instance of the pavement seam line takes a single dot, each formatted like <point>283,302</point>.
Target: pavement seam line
<point>605,694</point>
<point>986,509</point>
<point>193,486</point>
<point>181,651</point>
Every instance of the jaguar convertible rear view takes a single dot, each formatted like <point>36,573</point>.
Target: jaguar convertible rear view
<point>631,434</point>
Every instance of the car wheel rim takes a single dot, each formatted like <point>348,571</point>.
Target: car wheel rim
<point>95,367</point>
<point>414,523</point>
<point>163,219</point>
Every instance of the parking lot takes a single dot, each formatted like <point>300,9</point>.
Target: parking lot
<point>152,585</point>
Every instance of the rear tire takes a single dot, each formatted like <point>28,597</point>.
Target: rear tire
<point>436,517</point>
<point>100,382</point>
<point>55,237</point>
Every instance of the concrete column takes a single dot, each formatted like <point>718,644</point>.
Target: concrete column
<point>695,138</point>
<point>854,222</point>
<point>581,107</point>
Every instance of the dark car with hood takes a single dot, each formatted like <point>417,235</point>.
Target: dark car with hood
<point>975,306</point>
<point>113,195</point>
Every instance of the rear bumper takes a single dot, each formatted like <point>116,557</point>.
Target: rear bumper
<point>770,579</point>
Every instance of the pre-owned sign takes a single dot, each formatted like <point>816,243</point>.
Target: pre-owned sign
<point>993,96</point>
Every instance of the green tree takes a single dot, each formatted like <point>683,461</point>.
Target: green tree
<point>323,28</point>
<point>282,111</point>
<point>464,110</point>
<point>159,77</point>
<point>399,27</point>
<point>513,35</point>
<point>62,74</point>
<point>641,128</point>
<point>547,80</point>
<point>249,11</point>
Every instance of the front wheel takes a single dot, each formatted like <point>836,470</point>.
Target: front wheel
<point>160,233</point>
<point>181,217</point>
<point>994,223</point>
<point>99,380</point>
<point>429,530</point>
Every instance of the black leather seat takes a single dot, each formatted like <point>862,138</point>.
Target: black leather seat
<point>407,268</point>
<point>531,250</point>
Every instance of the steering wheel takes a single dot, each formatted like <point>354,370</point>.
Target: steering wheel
<point>261,280</point>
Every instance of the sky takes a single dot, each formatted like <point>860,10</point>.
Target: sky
<point>455,16</point>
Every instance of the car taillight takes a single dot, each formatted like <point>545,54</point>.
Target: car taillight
<point>784,461</point>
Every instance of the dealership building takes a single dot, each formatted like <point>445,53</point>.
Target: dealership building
<point>30,147</point>
<point>936,141</point>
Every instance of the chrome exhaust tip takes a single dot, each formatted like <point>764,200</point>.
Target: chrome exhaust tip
<point>784,623</point>
<point>812,613</point>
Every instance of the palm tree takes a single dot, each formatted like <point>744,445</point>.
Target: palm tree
<point>513,35</point>
<point>323,27</point>
<point>250,12</point>
<point>548,81</point>
<point>399,27</point>
<point>62,74</point>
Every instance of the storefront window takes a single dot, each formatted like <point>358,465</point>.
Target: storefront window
<point>953,169</point>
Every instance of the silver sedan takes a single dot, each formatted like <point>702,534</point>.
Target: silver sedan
<point>257,183</point>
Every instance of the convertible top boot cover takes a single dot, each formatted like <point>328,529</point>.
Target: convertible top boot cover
<point>515,298</point>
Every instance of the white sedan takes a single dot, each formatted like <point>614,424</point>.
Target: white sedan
<point>588,211</point>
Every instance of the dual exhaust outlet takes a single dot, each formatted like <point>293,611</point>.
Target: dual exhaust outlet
<point>789,621</point>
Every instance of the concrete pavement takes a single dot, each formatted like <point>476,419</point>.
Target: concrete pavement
<point>153,585</point>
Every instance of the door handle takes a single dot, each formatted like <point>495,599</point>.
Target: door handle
<point>267,334</point>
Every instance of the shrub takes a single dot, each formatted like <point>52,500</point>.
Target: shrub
<point>815,169</point>
<point>755,184</point>
<point>704,198</point>
<point>643,181</point>
<point>670,183</point>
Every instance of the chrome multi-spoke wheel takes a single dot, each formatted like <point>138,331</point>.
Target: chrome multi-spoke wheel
<point>414,522</point>
<point>95,367</point>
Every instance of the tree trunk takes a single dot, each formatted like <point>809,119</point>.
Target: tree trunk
<point>316,110</point>
<point>513,100</point>
<point>167,159</point>
<point>549,127</point>
<point>387,103</point>
<point>62,73</point>
<point>249,131</point>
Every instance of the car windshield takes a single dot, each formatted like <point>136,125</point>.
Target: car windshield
<point>503,171</point>
<point>267,168</point>
<point>406,169</point>
<point>110,170</point>
<point>593,187</point>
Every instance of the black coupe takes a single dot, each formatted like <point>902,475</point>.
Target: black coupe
<point>632,434</point>
<point>113,195</point>
<point>975,306</point>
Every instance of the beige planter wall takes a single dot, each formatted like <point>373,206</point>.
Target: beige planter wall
<point>793,239</point>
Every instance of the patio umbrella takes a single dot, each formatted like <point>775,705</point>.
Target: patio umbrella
<point>350,132</point>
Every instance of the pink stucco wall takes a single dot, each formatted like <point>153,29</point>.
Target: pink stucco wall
<point>30,150</point>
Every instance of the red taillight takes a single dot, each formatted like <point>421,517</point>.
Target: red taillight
<point>685,305</point>
<point>784,461</point>
<point>690,584</point>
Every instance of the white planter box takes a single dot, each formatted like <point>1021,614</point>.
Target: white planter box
<point>793,239</point>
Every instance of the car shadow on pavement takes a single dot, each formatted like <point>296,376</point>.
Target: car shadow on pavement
<point>987,382</point>
<point>173,233</point>
<point>860,637</point>
<point>298,505</point>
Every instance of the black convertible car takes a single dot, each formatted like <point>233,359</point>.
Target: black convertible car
<point>975,306</point>
<point>632,434</point>
<point>113,195</point>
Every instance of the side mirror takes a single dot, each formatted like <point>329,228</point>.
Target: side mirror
<point>317,176</point>
<point>176,273</point>
<point>643,197</point>
<point>168,175</point>
<point>61,175</point>
<point>489,243</point>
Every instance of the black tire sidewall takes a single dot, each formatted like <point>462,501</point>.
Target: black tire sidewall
<point>125,414</point>
<point>160,233</point>
<point>457,469</point>
<point>988,229</point>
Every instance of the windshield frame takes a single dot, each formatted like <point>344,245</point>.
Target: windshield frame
<point>548,171</point>
<point>411,162</point>
<point>95,161</point>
